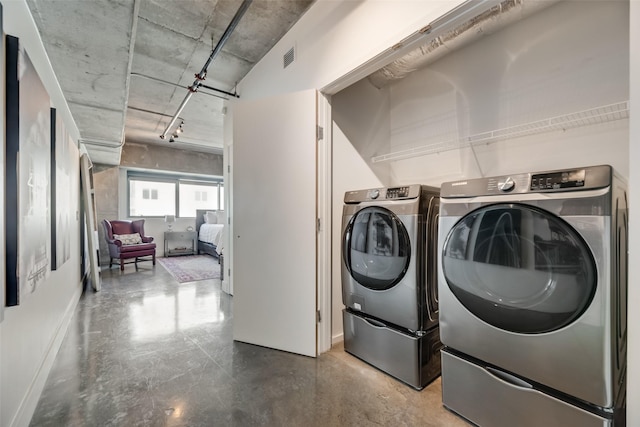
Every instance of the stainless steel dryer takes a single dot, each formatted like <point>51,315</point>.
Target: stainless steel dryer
<point>533,284</point>
<point>389,281</point>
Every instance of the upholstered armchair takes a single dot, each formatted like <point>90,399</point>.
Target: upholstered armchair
<point>126,240</point>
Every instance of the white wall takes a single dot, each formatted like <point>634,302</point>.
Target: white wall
<point>31,332</point>
<point>517,76</point>
<point>335,37</point>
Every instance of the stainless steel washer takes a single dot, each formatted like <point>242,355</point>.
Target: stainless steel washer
<point>532,284</point>
<point>387,256</point>
<point>389,281</point>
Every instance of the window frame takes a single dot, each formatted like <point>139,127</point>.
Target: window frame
<point>171,178</point>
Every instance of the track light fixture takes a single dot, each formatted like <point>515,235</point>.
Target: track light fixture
<point>176,133</point>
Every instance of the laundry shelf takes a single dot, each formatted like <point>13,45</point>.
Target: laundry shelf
<point>603,114</point>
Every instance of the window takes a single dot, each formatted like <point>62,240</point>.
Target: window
<point>197,195</point>
<point>150,193</point>
<point>154,194</point>
<point>201,196</point>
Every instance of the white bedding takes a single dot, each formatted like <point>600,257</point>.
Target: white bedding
<point>212,233</point>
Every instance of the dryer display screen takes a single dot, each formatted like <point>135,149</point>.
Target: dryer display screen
<point>558,180</point>
<point>397,193</point>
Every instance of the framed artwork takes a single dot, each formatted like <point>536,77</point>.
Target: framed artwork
<point>2,154</point>
<point>61,191</point>
<point>27,145</point>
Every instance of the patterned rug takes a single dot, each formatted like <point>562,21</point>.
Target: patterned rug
<point>191,268</point>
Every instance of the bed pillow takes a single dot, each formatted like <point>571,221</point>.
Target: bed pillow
<point>128,239</point>
<point>221,217</point>
<point>210,217</point>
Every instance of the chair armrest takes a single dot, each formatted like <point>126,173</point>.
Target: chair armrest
<point>147,239</point>
<point>116,242</point>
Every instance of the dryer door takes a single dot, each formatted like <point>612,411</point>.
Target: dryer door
<point>519,268</point>
<point>376,248</point>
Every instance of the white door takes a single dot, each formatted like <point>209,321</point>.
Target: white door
<point>274,216</point>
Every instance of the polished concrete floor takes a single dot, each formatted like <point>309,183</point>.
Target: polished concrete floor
<point>147,351</point>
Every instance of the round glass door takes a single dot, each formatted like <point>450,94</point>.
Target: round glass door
<point>519,268</point>
<point>376,248</point>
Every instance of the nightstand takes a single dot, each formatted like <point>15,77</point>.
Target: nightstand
<point>174,241</point>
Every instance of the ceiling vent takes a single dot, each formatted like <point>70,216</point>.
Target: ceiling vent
<point>289,57</point>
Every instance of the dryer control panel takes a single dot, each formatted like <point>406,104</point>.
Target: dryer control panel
<point>538,182</point>
<point>397,193</point>
<point>557,180</point>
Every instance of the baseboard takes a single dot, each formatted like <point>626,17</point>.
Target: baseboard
<point>30,402</point>
<point>337,339</point>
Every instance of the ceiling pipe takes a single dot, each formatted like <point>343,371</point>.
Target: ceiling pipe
<point>489,21</point>
<point>143,110</point>
<point>234,93</point>
<point>203,73</point>
<point>155,79</point>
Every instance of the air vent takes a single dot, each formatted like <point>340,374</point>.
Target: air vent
<point>289,57</point>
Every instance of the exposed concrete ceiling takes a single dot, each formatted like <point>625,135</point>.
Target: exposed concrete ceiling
<point>125,65</point>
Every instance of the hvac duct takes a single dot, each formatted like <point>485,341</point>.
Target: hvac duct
<point>487,22</point>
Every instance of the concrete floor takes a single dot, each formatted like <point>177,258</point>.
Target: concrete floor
<point>147,351</point>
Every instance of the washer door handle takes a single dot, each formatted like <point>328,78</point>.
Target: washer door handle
<point>508,378</point>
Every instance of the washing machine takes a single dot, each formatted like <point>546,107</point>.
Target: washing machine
<point>532,280</point>
<point>389,280</point>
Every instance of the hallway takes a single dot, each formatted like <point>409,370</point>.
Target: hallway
<point>147,351</point>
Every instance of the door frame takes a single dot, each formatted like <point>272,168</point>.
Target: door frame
<point>324,196</point>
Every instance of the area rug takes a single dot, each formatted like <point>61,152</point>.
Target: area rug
<point>191,268</point>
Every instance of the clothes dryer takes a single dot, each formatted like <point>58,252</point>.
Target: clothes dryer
<point>389,281</point>
<point>533,284</point>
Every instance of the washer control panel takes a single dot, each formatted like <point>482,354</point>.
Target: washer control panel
<point>392,193</point>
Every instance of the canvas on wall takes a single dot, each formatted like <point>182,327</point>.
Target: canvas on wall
<point>27,181</point>
<point>2,180</point>
<point>61,191</point>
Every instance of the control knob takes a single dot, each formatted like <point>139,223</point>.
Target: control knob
<point>374,194</point>
<point>507,185</point>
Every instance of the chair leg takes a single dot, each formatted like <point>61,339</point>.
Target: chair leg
<point>154,258</point>
<point>121,264</point>
<point>110,261</point>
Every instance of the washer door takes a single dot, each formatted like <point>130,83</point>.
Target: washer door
<point>519,268</point>
<point>376,248</point>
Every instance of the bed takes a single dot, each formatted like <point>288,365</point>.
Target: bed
<point>211,234</point>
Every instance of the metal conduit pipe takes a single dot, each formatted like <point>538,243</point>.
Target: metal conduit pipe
<point>155,79</point>
<point>203,73</point>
